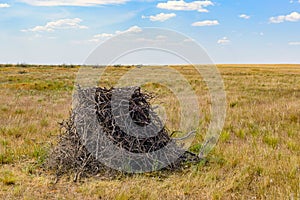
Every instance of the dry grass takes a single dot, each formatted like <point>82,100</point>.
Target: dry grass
<point>258,154</point>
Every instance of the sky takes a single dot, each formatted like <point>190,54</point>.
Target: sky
<point>231,31</point>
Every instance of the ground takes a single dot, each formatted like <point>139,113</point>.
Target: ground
<point>257,155</point>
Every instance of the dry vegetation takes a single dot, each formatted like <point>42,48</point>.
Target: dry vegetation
<point>258,154</point>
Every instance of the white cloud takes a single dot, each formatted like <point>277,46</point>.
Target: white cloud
<point>293,17</point>
<point>160,17</point>
<point>58,25</point>
<point>292,1</point>
<point>188,6</point>
<point>206,23</point>
<point>133,29</point>
<point>103,36</point>
<point>189,40</point>
<point>72,2</point>
<point>4,5</point>
<point>294,43</point>
<point>244,16</point>
<point>224,41</point>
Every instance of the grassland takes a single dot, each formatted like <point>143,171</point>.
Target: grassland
<point>257,156</point>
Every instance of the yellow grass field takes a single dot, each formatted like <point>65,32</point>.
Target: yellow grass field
<point>257,155</point>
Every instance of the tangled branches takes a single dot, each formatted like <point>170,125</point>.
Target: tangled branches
<point>113,130</point>
<point>131,124</point>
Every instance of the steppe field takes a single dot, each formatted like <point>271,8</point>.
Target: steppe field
<point>257,155</point>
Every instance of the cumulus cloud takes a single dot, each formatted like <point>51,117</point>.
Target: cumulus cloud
<point>294,43</point>
<point>244,16</point>
<point>293,17</point>
<point>58,25</point>
<point>206,23</point>
<point>103,36</point>
<point>224,41</point>
<point>133,29</point>
<point>160,17</point>
<point>187,6</point>
<point>189,40</point>
<point>72,2</point>
<point>4,5</point>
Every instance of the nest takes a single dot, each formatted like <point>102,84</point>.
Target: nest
<point>112,127</point>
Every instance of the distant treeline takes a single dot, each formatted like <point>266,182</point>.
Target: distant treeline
<point>68,65</point>
<point>34,65</point>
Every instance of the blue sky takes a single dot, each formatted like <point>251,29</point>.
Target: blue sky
<point>231,31</point>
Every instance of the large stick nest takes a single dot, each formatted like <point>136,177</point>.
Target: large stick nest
<point>127,121</point>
